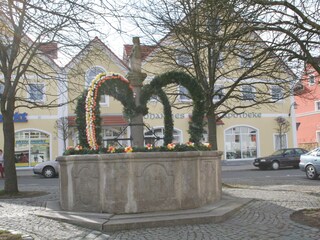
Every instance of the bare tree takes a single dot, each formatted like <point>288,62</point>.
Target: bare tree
<point>215,42</point>
<point>283,126</point>
<point>293,28</point>
<point>63,130</point>
<point>26,29</point>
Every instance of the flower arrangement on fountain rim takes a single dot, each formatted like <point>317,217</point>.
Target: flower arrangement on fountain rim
<point>149,146</point>
<point>111,149</point>
<point>128,149</point>
<point>171,147</point>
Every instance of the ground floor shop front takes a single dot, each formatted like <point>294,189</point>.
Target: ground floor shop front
<point>240,137</point>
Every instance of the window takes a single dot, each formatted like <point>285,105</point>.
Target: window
<point>276,93</point>
<point>280,141</point>
<point>92,73</point>
<point>36,92</point>
<point>214,24</point>
<point>104,100</point>
<point>317,106</point>
<point>155,99</point>
<point>318,136</point>
<point>241,142</point>
<point>1,88</point>
<point>155,136</point>
<point>218,93</point>
<point>311,80</point>
<point>115,136</point>
<point>31,147</point>
<point>246,59</point>
<point>183,58</point>
<point>248,93</point>
<point>184,95</point>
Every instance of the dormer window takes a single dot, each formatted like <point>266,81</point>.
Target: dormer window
<point>92,73</point>
<point>183,58</point>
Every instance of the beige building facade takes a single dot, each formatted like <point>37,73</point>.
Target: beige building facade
<point>240,136</point>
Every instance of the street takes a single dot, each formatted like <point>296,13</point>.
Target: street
<point>275,196</point>
<point>246,175</point>
<point>256,177</point>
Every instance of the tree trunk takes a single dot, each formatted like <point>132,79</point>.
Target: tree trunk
<point>212,129</point>
<point>11,184</point>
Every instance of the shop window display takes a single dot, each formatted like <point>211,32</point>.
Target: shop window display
<point>31,147</point>
<point>241,143</point>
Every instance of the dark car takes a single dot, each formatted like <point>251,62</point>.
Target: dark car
<point>310,163</point>
<point>287,157</point>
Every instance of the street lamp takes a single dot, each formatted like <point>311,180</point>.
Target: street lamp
<point>294,105</point>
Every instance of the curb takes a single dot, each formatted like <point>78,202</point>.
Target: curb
<point>214,213</point>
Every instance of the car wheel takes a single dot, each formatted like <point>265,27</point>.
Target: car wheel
<point>311,172</point>
<point>275,165</point>
<point>48,172</point>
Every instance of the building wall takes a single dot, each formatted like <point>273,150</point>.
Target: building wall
<point>259,122</point>
<point>308,112</point>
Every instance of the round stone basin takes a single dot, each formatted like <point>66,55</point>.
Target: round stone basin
<point>139,182</point>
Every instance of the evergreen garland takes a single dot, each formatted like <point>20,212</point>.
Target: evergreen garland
<point>116,88</point>
<point>146,93</point>
<point>81,119</point>
<point>181,78</point>
<point>122,91</point>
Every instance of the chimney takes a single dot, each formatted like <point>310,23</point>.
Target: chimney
<point>51,49</point>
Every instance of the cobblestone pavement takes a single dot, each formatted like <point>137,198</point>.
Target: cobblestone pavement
<point>266,217</point>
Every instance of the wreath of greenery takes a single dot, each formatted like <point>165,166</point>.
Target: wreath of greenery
<point>122,91</point>
<point>114,87</point>
<point>81,119</point>
<point>146,93</point>
<point>180,78</point>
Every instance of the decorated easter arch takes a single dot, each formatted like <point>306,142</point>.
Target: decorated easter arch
<point>195,91</point>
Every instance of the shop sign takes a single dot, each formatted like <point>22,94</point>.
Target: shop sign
<point>33,141</point>
<point>161,116</point>
<point>18,117</point>
<point>243,115</point>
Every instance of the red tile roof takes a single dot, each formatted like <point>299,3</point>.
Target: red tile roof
<point>50,49</point>
<point>145,51</point>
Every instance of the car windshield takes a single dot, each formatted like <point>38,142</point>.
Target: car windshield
<point>313,152</point>
<point>278,152</point>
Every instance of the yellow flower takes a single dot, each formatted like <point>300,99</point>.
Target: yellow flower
<point>171,146</point>
<point>78,148</point>
<point>208,145</point>
<point>190,144</point>
<point>111,149</point>
<point>128,149</point>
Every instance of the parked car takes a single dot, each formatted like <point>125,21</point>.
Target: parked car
<point>310,163</point>
<point>48,169</point>
<point>287,157</point>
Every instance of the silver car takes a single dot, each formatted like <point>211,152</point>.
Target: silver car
<point>48,169</point>
<point>310,163</point>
